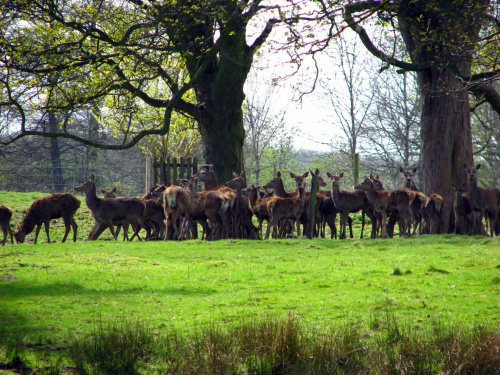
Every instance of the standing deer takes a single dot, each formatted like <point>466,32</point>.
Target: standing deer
<point>463,210</point>
<point>178,203</point>
<point>419,203</point>
<point>5,216</point>
<point>113,211</point>
<point>385,201</point>
<point>45,209</point>
<point>285,208</point>
<point>259,206</point>
<point>483,201</point>
<point>207,176</point>
<point>346,202</point>
<point>245,227</point>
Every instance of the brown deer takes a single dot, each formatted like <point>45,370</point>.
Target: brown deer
<point>209,180</point>
<point>178,203</point>
<point>419,203</point>
<point>258,203</point>
<point>45,209</point>
<point>244,227</point>
<point>463,210</point>
<point>388,201</point>
<point>285,208</point>
<point>346,202</point>
<point>153,215</point>
<point>5,216</point>
<point>483,201</point>
<point>113,211</point>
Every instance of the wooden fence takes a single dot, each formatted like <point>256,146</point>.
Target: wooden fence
<point>168,171</point>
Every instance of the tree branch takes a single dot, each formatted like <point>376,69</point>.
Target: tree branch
<point>373,6</point>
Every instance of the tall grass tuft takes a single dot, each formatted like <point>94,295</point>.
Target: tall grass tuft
<point>112,348</point>
<point>280,346</point>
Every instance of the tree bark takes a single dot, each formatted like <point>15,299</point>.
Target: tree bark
<point>446,137</point>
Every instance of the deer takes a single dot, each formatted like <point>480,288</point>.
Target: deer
<point>483,201</point>
<point>258,203</point>
<point>285,208</point>
<point>5,216</point>
<point>463,210</point>
<point>113,211</point>
<point>209,180</point>
<point>43,210</point>
<point>346,202</point>
<point>177,204</point>
<point>279,190</point>
<point>153,215</point>
<point>385,201</point>
<point>245,227</point>
<point>419,203</point>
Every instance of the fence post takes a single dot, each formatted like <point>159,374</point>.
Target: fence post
<point>149,167</point>
<point>174,167</point>
<point>312,206</point>
<point>356,169</point>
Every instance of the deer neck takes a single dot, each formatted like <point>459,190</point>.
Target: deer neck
<point>91,198</point>
<point>210,183</point>
<point>252,197</point>
<point>280,189</point>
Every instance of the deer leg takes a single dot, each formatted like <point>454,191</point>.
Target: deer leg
<point>362,224</point>
<point>4,230</point>
<point>67,228</point>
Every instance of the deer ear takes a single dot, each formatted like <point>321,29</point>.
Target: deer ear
<point>316,172</point>
<point>242,174</point>
<point>292,175</point>
<point>278,174</point>
<point>92,177</point>
<point>329,175</point>
<point>114,189</point>
<point>305,175</point>
<point>341,174</point>
<point>235,175</point>
<point>414,170</point>
<point>103,191</point>
<point>401,169</point>
<point>465,166</point>
<point>478,166</point>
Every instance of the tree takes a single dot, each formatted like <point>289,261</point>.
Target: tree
<point>347,94</point>
<point>264,128</point>
<point>99,48</point>
<point>393,133</point>
<point>450,44</point>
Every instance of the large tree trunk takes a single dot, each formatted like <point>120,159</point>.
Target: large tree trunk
<point>220,118</point>
<point>446,136</point>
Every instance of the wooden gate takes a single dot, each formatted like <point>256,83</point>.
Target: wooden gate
<point>169,171</point>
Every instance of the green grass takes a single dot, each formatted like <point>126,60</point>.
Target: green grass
<point>48,291</point>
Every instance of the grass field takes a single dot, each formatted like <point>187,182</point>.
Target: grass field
<point>48,291</point>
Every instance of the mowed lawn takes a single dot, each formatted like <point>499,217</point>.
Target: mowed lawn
<point>48,290</point>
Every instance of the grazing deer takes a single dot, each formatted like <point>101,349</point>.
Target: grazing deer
<point>45,209</point>
<point>463,210</point>
<point>285,208</point>
<point>346,202</point>
<point>5,216</point>
<point>385,201</point>
<point>113,211</point>
<point>177,204</point>
<point>483,201</point>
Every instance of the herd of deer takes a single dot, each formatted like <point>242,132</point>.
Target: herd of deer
<point>227,211</point>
